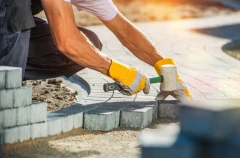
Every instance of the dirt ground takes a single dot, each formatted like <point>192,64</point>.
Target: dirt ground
<point>121,142</point>
<point>53,92</point>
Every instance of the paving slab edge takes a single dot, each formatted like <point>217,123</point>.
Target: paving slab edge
<point>72,117</point>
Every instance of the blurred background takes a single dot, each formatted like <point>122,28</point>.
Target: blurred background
<point>160,10</point>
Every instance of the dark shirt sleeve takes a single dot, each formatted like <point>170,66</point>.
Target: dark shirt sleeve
<point>18,15</point>
<point>3,24</point>
<point>36,7</point>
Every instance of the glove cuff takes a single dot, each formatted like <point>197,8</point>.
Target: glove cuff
<point>160,63</point>
<point>122,73</point>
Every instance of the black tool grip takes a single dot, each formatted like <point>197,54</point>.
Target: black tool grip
<point>111,87</point>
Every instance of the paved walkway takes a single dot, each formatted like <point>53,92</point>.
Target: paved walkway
<point>196,46</point>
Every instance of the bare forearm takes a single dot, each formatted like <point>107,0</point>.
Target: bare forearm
<point>133,39</point>
<point>139,45</point>
<point>80,50</point>
<point>70,40</point>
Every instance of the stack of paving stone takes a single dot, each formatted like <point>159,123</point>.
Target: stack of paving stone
<point>20,118</point>
<point>207,130</point>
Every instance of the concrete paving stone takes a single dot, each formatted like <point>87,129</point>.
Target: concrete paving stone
<point>10,135</point>
<point>168,108</point>
<point>145,98</point>
<point>24,133</point>
<point>1,118</point>
<point>54,123</point>
<point>9,118</point>
<point>155,145</point>
<point>97,91</point>
<point>229,148</point>
<point>39,130</point>
<point>13,77</point>
<point>101,120</point>
<point>125,99</point>
<point>6,99</point>
<point>22,96</point>
<point>120,95</point>
<point>105,94</point>
<point>96,99</point>
<point>2,79</point>
<point>1,135</point>
<point>38,112</point>
<point>99,95</point>
<point>137,115</point>
<point>215,97</point>
<point>216,120</point>
<point>74,114</point>
<point>67,123</point>
<point>23,115</point>
<point>107,79</point>
<point>151,102</point>
<point>105,117</point>
<point>77,120</point>
<point>90,102</point>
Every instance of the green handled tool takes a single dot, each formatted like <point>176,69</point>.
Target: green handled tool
<point>114,86</point>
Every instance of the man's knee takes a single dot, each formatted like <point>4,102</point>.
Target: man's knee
<point>92,37</point>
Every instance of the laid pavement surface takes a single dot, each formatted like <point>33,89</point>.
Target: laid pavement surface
<point>195,44</point>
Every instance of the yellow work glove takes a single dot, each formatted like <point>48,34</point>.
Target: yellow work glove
<point>181,93</point>
<point>129,78</point>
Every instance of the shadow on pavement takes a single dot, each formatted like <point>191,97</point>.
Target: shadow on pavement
<point>231,32</point>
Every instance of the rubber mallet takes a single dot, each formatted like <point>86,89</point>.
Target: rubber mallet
<point>168,79</point>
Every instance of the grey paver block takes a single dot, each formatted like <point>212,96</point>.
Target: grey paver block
<point>168,108</point>
<point>229,148</point>
<point>9,118</point>
<point>105,117</point>
<point>17,97</point>
<point>96,121</point>
<point>54,124</point>
<point>23,115</point>
<point>38,112</point>
<point>212,119</point>
<point>71,117</point>
<point>151,101</point>
<point>156,145</point>
<point>39,130</point>
<point>1,135</point>
<point>10,135</point>
<point>13,77</point>
<point>2,79</point>
<point>6,99</point>
<point>137,114</point>
<point>22,96</point>
<point>67,123</point>
<point>24,133</point>
<point>155,110</point>
<point>78,120</point>
<point>1,118</point>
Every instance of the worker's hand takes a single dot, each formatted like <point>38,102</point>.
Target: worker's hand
<point>129,78</point>
<point>181,93</point>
